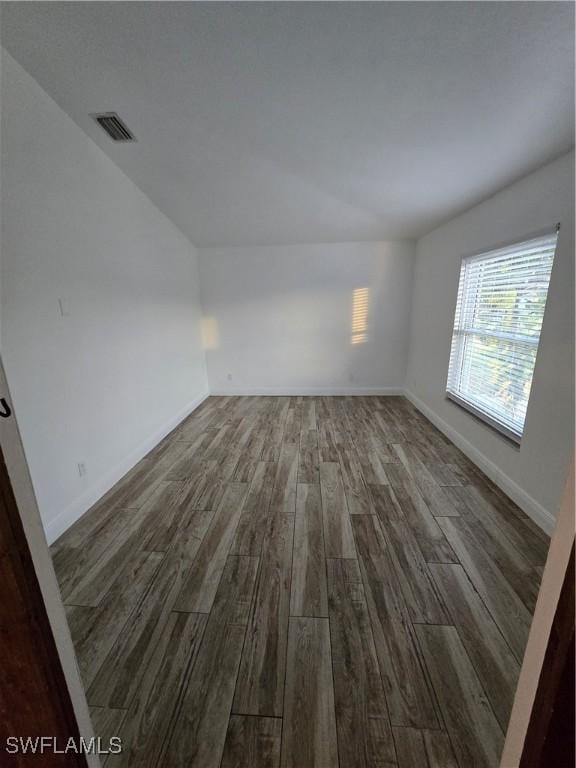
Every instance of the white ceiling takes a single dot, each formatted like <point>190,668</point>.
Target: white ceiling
<point>271,123</point>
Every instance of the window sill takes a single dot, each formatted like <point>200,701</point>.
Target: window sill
<point>501,429</point>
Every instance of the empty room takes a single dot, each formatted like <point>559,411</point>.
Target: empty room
<point>287,384</point>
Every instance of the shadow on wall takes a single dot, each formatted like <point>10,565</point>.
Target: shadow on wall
<point>360,304</point>
<point>359,330</point>
<point>359,322</point>
<point>210,333</point>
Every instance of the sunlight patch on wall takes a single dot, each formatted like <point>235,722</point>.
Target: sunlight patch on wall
<point>360,301</point>
<point>210,333</point>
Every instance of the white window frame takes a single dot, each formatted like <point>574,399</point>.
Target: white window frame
<point>503,429</point>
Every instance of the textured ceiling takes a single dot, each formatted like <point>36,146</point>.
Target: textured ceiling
<point>271,123</point>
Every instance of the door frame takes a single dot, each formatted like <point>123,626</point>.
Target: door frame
<point>551,626</point>
<point>34,697</point>
<point>44,602</point>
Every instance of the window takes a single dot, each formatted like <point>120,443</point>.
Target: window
<point>499,310</point>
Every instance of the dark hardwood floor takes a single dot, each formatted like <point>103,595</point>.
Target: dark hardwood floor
<point>302,582</point>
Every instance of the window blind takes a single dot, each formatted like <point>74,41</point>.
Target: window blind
<point>499,311</point>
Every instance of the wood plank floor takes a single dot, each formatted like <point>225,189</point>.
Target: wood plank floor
<point>313,582</point>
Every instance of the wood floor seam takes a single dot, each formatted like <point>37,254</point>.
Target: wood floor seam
<point>302,582</point>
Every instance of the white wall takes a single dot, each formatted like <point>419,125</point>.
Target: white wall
<point>534,473</point>
<point>103,383</point>
<point>279,319</point>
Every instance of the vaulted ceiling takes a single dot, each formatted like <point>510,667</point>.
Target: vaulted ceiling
<point>271,123</point>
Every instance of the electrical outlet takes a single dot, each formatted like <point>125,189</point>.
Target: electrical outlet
<point>81,468</point>
<point>229,377</point>
<point>350,377</point>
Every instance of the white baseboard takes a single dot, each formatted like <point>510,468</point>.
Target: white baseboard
<point>82,504</point>
<point>535,511</point>
<point>303,391</point>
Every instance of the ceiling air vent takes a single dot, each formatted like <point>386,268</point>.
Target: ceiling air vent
<point>113,126</point>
